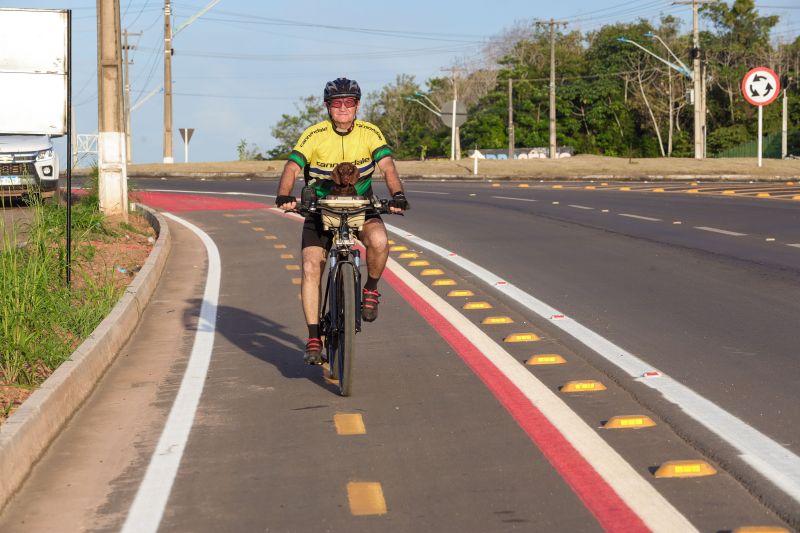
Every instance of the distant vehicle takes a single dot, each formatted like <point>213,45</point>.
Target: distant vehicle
<point>28,165</point>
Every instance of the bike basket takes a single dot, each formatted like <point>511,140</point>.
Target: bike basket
<point>333,207</point>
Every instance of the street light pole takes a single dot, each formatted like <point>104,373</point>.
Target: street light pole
<point>168,83</point>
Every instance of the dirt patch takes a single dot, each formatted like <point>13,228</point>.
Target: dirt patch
<point>113,259</point>
<point>580,166</point>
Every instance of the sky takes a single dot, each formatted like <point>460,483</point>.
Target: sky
<point>244,63</point>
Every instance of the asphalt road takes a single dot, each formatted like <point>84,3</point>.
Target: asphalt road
<point>442,441</point>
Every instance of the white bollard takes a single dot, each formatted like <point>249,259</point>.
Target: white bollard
<point>475,163</point>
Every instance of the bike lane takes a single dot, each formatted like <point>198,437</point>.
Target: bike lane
<point>438,450</point>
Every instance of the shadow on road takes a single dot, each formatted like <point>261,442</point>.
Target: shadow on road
<point>263,339</point>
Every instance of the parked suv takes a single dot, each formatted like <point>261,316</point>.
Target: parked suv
<point>28,163</point>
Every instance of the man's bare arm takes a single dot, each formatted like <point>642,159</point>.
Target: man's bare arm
<point>290,172</point>
<point>390,174</point>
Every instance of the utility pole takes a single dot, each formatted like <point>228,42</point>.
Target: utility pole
<point>698,81</point>
<point>127,101</point>
<point>111,160</point>
<point>168,83</point>
<point>455,141</point>
<point>511,142</point>
<point>553,24</point>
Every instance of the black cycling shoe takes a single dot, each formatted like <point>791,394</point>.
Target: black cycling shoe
<point>313,355</point>
<point>369,305</point>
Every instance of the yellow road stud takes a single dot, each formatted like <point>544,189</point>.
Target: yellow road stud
<point>245,222</point>
<point>365,498</point>
<point>292,267</point>
<point>558,186</point>
<point>658,189</point>
<point>495,184</point>
<point>349,424</point>
<point>789,183</point>
<point>287,256</point>
<point>258,229</point>
<point>419,263</point>
<point>693,183</point>
<point>297,281</point>
<point>590,187</point>
<point>432,272</point>
<point>624,188</point>
<point>279,246</point>
<point>629,422</point>
<point>460,293</point>
<point>761,529</point>
<point>497,320</point>
<point>795,197</point>
<point>586,385</point>
<point>443,282</point>
<point>522,337</point>
<point>728,192</point>
<point>407,255</point>
<point>523,185</point>
<point>545,359</point>
<point>398,248</point>
<point>390,241</point>
<point>685,469</point>
<point>693,191</point>
<point>762,195</point>
<point>270,237</point>
<point>604,184</point>
<point>477,305</point>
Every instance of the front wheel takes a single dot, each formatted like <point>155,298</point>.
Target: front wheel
<point>347,334</point>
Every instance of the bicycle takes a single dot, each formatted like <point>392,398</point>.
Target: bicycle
<point>340,314</point>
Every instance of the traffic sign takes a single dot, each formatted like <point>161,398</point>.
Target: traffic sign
<point>447,113</point>
<point>186,134</point>
<point>761,86</point>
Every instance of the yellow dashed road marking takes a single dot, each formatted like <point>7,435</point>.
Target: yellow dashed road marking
<point>629,422</point>
<point>366,498</point>
<point>460,293</point>
<point>279,246</point>
<point>245,222</point>
<point>258,229</point>
<point>685,469</point>
<point>297,281</point>
<point>349,424</point>
<point>287,256</point>
<point>292,267</point>
<point>270,237</point>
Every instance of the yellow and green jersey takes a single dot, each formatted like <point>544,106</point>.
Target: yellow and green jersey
<point>321,148</point>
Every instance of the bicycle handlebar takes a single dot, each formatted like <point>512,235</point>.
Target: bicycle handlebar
<point>381,209</point>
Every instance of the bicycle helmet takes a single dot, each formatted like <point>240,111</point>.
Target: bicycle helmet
<point>342,88</point>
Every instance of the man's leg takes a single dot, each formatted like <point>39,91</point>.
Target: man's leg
<point>313,263</point>
<point>374,237</point>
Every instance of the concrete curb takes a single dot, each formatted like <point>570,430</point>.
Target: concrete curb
<point>25,436</point>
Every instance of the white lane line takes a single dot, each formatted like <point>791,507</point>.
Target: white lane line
<point>794,245</point>
<point>643,499</point>
<point>640,217</point>
<point>151,498</point>
<point>776,463</point>
<point>580,206</point>
<point>512,198</point>
<point>427,192</point>
<point>211,192</point>
<point>723,231</point>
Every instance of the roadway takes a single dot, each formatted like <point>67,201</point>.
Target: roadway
<point>701,287</point>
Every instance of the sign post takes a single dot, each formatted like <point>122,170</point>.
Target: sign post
<point>186,135</point>
<point>454,114</point>
<point>760,87</point>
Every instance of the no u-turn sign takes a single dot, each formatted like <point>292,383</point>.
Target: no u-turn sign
<point>760,86</point>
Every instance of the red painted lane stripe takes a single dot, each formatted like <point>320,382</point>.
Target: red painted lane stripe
<point>176,202</point>
<point>611,512</point>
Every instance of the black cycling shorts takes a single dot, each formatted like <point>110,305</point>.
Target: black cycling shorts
<point>315,235</point>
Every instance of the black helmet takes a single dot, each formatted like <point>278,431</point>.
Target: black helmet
<point>341,88</point>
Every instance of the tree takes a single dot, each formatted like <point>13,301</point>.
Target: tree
<point>289,128</point>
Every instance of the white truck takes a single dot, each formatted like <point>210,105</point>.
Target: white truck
<point>28,164</point>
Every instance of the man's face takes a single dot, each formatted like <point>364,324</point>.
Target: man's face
<point>343,109</point>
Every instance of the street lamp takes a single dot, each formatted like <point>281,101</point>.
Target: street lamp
<point>680,68</point>
<point>659,39</point>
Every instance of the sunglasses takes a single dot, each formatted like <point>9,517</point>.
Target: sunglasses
<point>343,102</point>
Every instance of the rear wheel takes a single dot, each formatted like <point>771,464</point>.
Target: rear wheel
<point>347,334</point>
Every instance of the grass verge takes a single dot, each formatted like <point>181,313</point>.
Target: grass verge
<point>41,320</point>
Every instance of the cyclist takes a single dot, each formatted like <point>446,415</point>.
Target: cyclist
<point>340,139</point>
